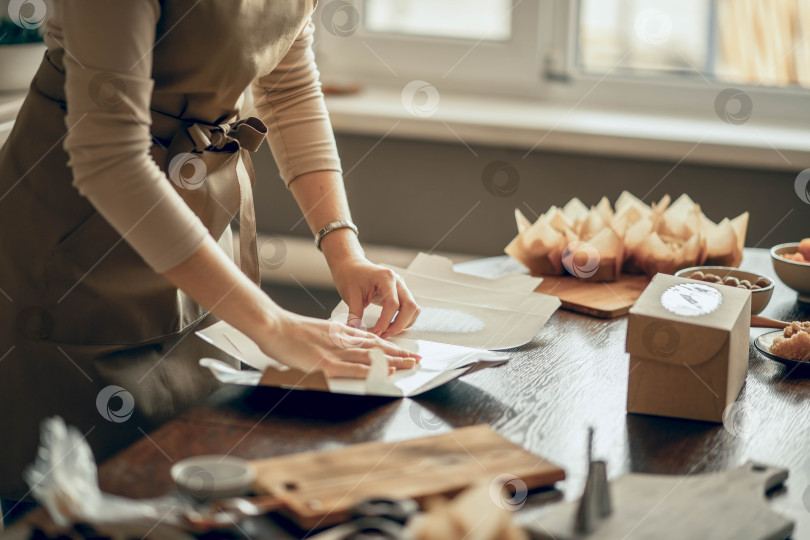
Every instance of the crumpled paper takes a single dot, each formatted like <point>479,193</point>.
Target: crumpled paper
<point>484,511</point>
<point>64,480</point>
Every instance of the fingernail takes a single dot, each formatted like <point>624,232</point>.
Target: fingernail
<point>408,363</point>
<point>391,371</point>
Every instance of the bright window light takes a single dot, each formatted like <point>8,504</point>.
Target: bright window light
<point>761,43</point>
<point>461,19</point>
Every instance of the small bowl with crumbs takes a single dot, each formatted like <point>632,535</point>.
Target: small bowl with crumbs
<point>761,287</point>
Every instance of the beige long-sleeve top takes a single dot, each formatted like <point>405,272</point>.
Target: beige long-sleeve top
<point>109,147</point>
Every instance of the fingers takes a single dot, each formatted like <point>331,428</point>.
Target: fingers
<point>351,370</point>
<point>347,337</point>
<point>393,350</point>
<point>401,363</point>
<point>363,356</point>
<point>356,308</point>
<point>390,305</point>
<point>363,347</point>
<point>355,364</point>
<point>408,311</point>
<point>399,309</point>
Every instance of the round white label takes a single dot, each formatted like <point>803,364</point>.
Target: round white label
<point>691,299</point>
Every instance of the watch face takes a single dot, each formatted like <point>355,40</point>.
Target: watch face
<point>691,299</point>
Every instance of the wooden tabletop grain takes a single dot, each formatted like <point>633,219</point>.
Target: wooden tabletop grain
<point>571,376</point>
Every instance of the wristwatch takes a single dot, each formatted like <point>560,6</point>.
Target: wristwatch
<point>335,225</point>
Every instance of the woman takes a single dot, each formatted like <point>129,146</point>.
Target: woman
<point>125,166</point>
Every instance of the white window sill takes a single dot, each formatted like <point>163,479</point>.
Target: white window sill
<point>526,125</point>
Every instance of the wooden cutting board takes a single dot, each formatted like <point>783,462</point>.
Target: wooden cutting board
<point>723,506</point>
<point>316,489</point>
<point>595,298</point>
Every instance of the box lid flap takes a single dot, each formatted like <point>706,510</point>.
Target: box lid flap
<point>684,321</point>
<point>692,302</point>
<point>661,340</point>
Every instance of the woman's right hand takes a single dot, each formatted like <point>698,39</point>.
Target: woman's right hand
<point>214,281</point>
<point>338,350</point>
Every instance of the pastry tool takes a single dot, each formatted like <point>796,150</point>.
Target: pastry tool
<point>594,504</point>
<point>764,322</point>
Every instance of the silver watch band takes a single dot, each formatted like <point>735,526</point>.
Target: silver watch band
<point>335,225</point>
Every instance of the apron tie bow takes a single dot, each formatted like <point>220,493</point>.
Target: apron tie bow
<point>247,133</point>
<point>213,143</point>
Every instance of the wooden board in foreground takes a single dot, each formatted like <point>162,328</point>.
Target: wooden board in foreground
<point>317,489</point>
<point>597,299</point>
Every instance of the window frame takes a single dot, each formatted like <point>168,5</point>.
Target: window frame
<point>538,63</point>
<point>679,95</point>
<point>392,59</point>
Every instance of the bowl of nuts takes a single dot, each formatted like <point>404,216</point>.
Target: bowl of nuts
<point>761,287</point>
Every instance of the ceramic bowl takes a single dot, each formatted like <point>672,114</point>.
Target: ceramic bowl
<point>793,274</point>
<point>207,478</point>
<point>759,297</point>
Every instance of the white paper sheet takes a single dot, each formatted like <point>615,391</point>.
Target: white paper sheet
<point>440,363</point>
<point>462,316</point>
<point>492,267</point>
<point>471,311</point>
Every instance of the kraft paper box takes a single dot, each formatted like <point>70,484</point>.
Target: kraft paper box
<point>688,345</point>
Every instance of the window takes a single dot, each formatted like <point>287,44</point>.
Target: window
<point>465,19</point>
<point>489,45</point>
<point>645,37</point>
<point>726,40</point>
<point>643,56</point>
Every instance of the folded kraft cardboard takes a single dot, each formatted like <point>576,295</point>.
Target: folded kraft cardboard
<point>688,344</point>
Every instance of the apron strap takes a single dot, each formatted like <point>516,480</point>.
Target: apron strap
<point>239,137</point>
<point>248,251</point>
<point>250,132</point>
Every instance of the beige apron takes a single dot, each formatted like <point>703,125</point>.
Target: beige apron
<point>81,311</point>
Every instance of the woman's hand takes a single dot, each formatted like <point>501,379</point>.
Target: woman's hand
<point>338,350</point>
<point>322,198</point>
<point>213,280</point>
<point>361,283</point>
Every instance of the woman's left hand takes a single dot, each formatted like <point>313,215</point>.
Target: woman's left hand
<point>360,283</point>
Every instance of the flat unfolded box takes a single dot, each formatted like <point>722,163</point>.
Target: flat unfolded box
<point>462,316</point>
<point>467,310</point>
<point>440,363</point>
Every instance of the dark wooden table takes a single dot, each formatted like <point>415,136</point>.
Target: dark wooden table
<point>571,376</point>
